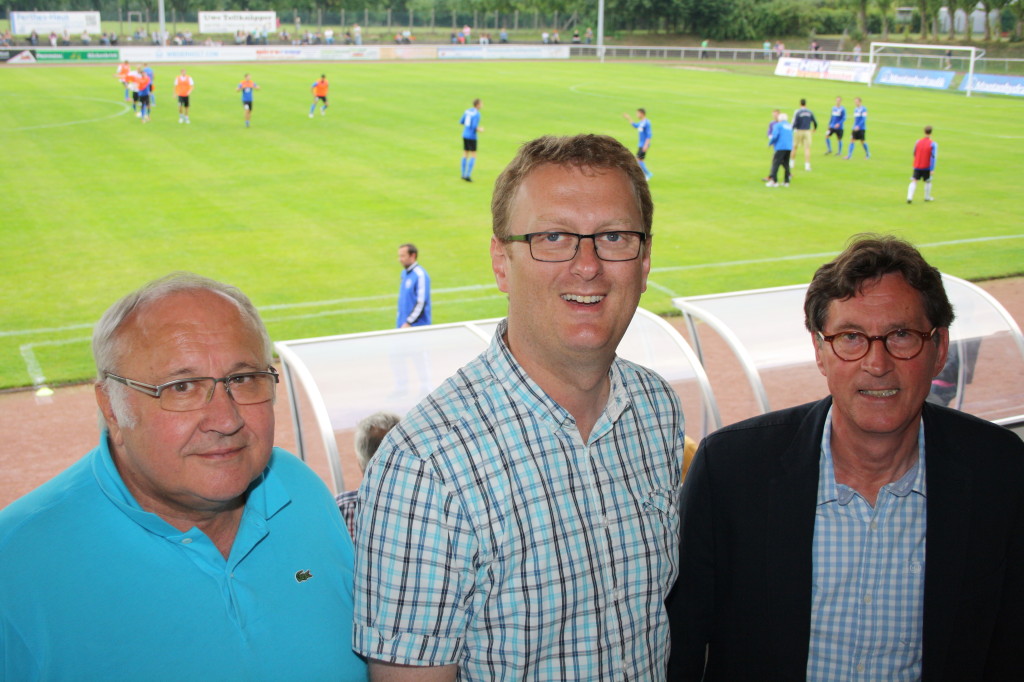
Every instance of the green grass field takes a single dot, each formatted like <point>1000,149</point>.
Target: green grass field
<point>306,215</point>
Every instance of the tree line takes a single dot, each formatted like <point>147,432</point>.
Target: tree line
<point>712,19</point>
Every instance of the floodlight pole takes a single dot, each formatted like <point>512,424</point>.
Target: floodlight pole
<point>163,24</point>
<point>600,29</point>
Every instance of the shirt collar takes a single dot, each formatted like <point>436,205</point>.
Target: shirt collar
<point>830,491</point>
<point>507,370</point>
<point>267,494</point>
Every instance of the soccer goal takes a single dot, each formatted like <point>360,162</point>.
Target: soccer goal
<point>936,57</point>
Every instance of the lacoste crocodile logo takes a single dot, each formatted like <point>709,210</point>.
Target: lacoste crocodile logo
<point>302,576</point>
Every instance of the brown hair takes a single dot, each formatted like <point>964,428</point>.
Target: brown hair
<point>867,258</point>
<point>579,151</point>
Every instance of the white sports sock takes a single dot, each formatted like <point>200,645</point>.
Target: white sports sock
<point>911,190</point>
<point>928,189</point>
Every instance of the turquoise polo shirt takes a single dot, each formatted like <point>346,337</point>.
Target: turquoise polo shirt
<point>94,587</point>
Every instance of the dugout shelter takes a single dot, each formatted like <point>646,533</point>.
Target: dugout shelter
<point>333,382</point>
<point>757,339</point>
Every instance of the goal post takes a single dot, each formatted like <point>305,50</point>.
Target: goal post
<point>937,57</point>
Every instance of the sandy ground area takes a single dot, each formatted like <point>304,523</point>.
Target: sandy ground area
<point>41,436</point>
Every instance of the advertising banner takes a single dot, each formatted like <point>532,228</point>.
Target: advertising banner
<point>17,56</point>
<point>23,23</point>
<point>504,52</point>
<point>996,85</point>
<point>232,22</point>
<point>79,55</point>
<point>58,55</point>
<point>915,78</point>
<point>826,69</point>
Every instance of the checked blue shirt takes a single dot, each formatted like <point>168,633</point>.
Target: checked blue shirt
<point>867,605</point>
<point>491,536</point>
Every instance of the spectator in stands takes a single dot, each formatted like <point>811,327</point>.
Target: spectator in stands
<point>369,433</point>
<point>413,291</point>
<point>488,529</point>
<point>33,38</point>
<point>576,37</point>
<point>86,38</point>
<point>184,546</point>
<point>868,535</point>
<point>503,35</point>
<point>588,36</point>
<point>554,37</point>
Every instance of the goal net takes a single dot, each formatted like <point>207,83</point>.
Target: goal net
<point>932,57</point>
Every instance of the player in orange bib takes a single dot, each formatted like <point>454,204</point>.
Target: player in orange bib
<point>319,94</point>
<point>183,85</point>
<point>131,82</point>
<point>123,69</point>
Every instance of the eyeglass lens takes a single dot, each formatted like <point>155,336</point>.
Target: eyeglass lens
<point>900,343</point>
<point>193,394</point>
<point>562,246</point>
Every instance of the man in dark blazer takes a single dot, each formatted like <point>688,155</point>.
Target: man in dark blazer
<point>867,536</point>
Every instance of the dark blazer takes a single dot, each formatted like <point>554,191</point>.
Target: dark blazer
<point>743,596</point>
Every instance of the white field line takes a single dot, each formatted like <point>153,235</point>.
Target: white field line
<point>35,371</point>
<point>124,110</point>
<point>477,287</point>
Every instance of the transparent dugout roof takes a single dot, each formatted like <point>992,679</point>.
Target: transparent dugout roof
<point>760,357</point>
<point>334,382</point>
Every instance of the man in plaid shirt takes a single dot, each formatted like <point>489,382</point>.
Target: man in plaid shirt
<point>521,523</point>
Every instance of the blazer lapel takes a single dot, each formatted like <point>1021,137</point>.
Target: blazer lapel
<point>948,490</point>
<point>791,527</point>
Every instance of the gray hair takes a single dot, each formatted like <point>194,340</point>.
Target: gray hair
<point>108,348</point>
<point>369,434</point>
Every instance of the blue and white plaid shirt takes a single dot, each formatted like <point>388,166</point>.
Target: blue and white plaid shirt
<point>492,537</point>
<point>867,607</point>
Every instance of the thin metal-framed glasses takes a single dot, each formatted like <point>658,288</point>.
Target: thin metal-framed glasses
<point>194,393</point>
<point>558,247</point>
<point>902,344</point>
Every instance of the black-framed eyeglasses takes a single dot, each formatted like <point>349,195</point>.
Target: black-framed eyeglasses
<point>194,393</point>
<point>558,247</point>
<point>903,344</point>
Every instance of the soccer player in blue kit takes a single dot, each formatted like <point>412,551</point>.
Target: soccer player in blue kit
<point>247,87</point>
<point>643,128</point>
<point>835,127</point>
<point>860,129</point>
<point>470,123</point>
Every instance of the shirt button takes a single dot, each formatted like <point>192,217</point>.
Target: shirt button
<point>186,541</point>
<point>874,525</point>
<point>867,599</point>
<point>860,667</point>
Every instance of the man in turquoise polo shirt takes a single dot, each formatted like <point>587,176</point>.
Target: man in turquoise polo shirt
<point>185,546</point>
